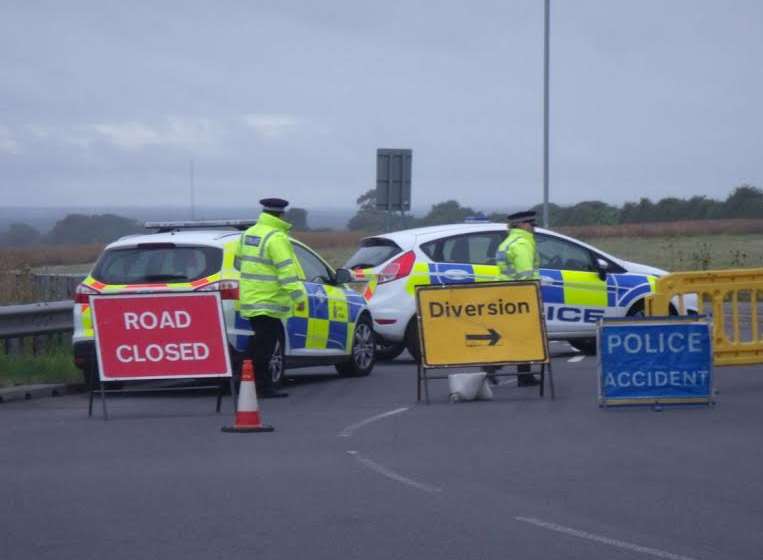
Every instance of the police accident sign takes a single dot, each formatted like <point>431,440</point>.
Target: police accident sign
<point>160,336</point>
<point>481,324</point>
<point>655,361</point>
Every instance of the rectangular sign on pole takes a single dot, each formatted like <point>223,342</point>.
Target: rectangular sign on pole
<point>393,179</point>
<point>160,336</point>
<point>659,361</point>
<point>481,324</point>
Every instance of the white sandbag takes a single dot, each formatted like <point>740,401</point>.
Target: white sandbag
<point>466,386</point>
<point>486,392</point>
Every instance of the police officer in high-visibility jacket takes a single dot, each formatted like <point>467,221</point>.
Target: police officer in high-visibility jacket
<point>517,259</point>
<point>270,285</point>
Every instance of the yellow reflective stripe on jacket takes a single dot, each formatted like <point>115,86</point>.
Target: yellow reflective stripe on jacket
<point>516,256</point>
<point>584,288</point>
<point>267,289</point>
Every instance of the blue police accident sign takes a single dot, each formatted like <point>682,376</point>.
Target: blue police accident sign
<point>655,361</point>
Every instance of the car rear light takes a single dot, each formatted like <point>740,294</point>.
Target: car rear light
<point>228,288</point>
<point>399,268</point>
<point>385,321</point>
<point>83,292</point>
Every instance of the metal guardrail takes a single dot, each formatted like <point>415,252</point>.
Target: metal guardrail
<point>733,299</point>
<point>34,319</point>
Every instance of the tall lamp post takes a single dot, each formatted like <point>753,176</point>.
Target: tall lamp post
<point>546,56</point>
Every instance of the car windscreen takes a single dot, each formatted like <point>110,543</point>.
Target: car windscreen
<point>157,262</point>
<point>373,252</point>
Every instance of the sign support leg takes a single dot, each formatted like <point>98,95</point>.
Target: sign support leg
<point>91,390</point>
<point>418,382</point>
<point>219,396</point>
<point>542,378</point>
<point>426,385</point>
<point>551,381</point>
<point>233,394</point>
<point>103,403</point>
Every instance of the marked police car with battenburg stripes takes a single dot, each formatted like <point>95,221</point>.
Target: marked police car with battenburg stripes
<point>579,283</point>
<point>334,328</point>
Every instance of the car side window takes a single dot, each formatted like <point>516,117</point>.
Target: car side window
<point>312,266</point>
<point>471,248</point>
<point>559,254</point>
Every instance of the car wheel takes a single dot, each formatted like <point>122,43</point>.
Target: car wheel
<point>388,350</point>
<point>586,345</point>
<point>363,354</point>
<point>412,339</point>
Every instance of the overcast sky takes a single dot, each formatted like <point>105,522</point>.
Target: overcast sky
<point>106,103</point>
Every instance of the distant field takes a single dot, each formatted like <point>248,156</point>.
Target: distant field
<point>675,246</point>
<point>681,253</point>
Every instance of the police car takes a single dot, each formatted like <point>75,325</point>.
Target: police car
<point>334,328</point>
<point>579,283</point>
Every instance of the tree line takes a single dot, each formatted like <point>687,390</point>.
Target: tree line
<point>745,201</point>
<point>83,229</point>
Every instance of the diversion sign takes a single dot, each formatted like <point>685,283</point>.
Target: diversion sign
<point>655,361</point>
<point>481,324</point>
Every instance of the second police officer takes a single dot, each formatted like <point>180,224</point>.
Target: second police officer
<point>270,286</point>
<point>517,259</point>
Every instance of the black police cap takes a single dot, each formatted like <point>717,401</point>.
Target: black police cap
<point>274,204</point>
<point>521,217</point>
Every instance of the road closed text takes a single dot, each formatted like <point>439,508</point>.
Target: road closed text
<point>172,351</point>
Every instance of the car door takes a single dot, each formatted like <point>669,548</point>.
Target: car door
<point>464,258</point>
<point>323,328</point>
<point>574,291</point>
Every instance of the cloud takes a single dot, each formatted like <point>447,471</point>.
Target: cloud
<point>181,132</point>
<point>8,143</point>
<point>271,125</point>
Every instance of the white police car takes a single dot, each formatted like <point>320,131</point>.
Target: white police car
<point>335,328</point>
<point>579,283</point>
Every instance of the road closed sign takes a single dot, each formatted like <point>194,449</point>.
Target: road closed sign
<point>481,324</point>
<point>160,336</point>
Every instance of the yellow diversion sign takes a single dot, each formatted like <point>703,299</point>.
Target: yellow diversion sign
<point>481,324</point>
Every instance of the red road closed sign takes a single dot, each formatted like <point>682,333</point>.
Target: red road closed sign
<point>160,336</point>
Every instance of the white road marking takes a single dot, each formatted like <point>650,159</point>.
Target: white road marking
<point>384,471</point>
<point>347,432</point>
<point>604,540</point>
<point>575,359</point>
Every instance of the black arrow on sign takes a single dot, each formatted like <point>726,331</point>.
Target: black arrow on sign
<point>493,337</point>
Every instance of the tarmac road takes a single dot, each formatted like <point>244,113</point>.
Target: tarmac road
<point>357,469</point>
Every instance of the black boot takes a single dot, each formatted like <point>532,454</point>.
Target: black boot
<point>526,380</point>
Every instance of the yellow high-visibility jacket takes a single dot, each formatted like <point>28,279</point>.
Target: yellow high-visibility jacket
<point>516,256</point>
<point>270,273</point>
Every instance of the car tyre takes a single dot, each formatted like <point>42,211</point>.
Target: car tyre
<point>388,350</point>
<point>363,354</point>
<point>412,343</point>
<point>586,345</point>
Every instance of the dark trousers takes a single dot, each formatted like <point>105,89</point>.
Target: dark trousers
<point>262,346</point>
<point>524,373</point>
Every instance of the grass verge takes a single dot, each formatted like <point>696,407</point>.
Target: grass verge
<point>52,365</point>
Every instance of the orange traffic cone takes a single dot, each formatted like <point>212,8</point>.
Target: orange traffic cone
<point>247,412</point>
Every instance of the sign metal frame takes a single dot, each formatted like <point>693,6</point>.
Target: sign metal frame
<point>228,374</point>
<point>424,367</point>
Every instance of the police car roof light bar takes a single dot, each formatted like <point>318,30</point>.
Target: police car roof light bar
<point>163,227</point>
